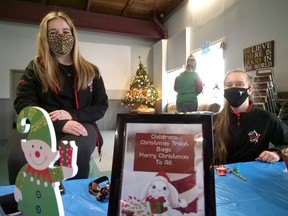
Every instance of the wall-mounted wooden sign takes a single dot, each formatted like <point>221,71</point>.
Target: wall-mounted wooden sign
<point>259,56</point>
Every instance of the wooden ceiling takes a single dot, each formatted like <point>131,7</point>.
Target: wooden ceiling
<point>137,18</point>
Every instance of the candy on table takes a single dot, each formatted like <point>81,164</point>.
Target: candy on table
<point>221,171</point>
<point>236,170</point>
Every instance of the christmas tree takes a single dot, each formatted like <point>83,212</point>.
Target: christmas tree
<point>142,92</point>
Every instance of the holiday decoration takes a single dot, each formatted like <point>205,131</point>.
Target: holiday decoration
<point>66,153</point>
<point>37,184</point>
<point>134,206</point>
<point>284,155</point>
<point>142,93</point>
<point>205,47</point>
<point>221,171</point>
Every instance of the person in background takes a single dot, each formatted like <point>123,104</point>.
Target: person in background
<point>188,86</point>
<point>67,86</point>
<point>243,132</point>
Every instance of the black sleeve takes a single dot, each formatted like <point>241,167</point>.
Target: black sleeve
<point>278,131</point>
<point>27,90</point>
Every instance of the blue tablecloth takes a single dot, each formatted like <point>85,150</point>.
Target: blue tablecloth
<point>76,199</point>
<point>264,193</point>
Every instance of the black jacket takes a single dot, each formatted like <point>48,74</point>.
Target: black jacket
<point>87,105</point>
<point>251,132</point>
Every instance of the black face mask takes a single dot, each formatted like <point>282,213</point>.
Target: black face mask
<point>236,96</point>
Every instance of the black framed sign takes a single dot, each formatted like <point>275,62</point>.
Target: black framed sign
<point>163,165</point>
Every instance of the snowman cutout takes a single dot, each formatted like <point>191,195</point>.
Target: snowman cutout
<point>37,184</point>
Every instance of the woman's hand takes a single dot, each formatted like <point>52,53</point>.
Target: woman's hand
<point>269,157</point>
<point>74,128</point>
<point>60,115</point>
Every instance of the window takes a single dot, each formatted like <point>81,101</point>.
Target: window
<point>210,67</point>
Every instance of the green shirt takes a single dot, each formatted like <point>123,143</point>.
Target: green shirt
<point>188,85</point>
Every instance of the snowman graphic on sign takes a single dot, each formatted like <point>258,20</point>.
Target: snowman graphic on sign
<point>37,184</point>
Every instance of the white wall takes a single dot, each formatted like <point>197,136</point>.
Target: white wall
<point>243,23</point>
<point>160,78</point>
<point>115,55</point>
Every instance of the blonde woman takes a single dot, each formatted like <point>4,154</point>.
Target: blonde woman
<point>67,86</point>
<point>243,132</point>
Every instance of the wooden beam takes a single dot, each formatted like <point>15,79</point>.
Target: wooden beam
<point>128,5</point>
<point>33,13</point>
<point>172,8</point>
<point>88,5</point>
<point>160,27</point>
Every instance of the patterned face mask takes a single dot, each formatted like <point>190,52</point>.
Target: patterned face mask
<point>61,44</point>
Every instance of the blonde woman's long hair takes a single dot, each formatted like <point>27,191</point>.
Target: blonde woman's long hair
<point>221,128</point>
<point>46,64</point>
